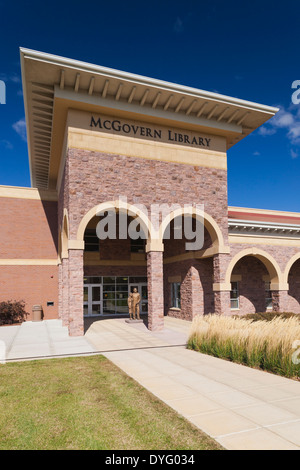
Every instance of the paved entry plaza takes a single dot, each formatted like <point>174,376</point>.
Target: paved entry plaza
<point>241,408</point>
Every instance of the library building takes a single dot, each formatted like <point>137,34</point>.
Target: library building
<point>129,196</point>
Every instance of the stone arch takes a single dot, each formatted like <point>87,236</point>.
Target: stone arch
<point>209,223</point>
<point>130,209</point>
<point>288,267</point>
<point>64,235</point>
<point>269,262</point>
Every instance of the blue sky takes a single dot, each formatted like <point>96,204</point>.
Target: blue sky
<point>247,50</point>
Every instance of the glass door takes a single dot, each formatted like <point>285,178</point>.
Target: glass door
<point>143,291</point>
<point>92,299</point>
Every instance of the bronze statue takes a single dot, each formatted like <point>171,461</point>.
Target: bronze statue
<point>130,305</point>
<point>136,298</point>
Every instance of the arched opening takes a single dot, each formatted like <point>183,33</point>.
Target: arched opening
<point>114,262</point>
<point>294,287</point>
<point>253,275</point>
<point>188,273</point>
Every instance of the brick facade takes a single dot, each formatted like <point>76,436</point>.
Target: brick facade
<point>28,253</point>
<point>31,228</point>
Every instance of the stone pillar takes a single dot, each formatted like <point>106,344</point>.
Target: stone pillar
<point>197,293</point>
<point>60,290</point>
<point>222,302</point>
<point>64,289</point>
<point>280,301</point>
<point>155,290</point>
<point>75,268</point>
<point>220,287</point>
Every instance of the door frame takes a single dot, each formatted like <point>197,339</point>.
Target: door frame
<point>89,303</point>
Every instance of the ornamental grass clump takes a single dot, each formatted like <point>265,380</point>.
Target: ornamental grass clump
<point>269,345</point>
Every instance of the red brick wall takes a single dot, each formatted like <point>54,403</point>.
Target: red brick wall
<point>28,230</point>
<point>36,285</point>
<point>95,177</point>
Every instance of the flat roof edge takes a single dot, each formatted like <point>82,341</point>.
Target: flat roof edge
<point>62,61</point>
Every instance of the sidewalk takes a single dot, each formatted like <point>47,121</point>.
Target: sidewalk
<point>241,408</point>
<point>32,340</point>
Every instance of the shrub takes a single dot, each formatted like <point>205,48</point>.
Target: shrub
<point>268,316</point>
<point>12,312</point>
<point>262,344</point>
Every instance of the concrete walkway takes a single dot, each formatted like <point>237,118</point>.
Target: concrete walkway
<point>241,408</point>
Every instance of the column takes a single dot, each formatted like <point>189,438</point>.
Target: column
<point>220,287</point>
<point>75,268</point>
<point>64,289</point>
<point>155,290</point>
<point>60,290</point>
<point>280,300</point>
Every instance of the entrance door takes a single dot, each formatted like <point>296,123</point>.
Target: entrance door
<point>92,299</point>
<point>143,291</point>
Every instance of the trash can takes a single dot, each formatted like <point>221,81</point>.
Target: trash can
<point>37,312</point>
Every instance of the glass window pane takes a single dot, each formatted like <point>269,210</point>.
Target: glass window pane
<point>144,292</point>
<point>234,303</point>
<point>109,280</point>
<point>96,293</point>
<point>109,295</point>
<point>122,280</point>
<point>109,306</point>
<point>96,309</point>
<point>137,279</point>
<point>122,295</point>
<point>123,288</point>
<point>85,294</point>
<point>108,288</point>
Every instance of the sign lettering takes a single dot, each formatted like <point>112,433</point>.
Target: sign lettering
<point>142,131</point>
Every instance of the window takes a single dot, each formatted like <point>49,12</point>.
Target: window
<point>234,296</point>
<point>137,246</point>
<point>268,295</point>
<point>175,294</point>
<point>91,240</point>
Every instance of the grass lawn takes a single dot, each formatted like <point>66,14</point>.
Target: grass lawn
<point>86,403</point>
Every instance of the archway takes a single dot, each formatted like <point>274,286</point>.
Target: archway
<point>253,274</point>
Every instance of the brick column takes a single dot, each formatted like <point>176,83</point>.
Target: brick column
<point>75,265</point>
<point>221,289</point>
<point>280,301</point>
<point>60,290</point>
<point>155,290</point>
<point>222,302</point>
<point>64,289</point>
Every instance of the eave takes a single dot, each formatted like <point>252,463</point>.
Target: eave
<point>50,79</point>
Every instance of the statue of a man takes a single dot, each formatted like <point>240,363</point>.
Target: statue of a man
<point>130,305</point>
<point>136,298</point>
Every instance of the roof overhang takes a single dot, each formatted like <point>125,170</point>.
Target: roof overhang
<point>53,84</point>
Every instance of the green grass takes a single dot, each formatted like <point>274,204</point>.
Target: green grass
<point>86,403</point>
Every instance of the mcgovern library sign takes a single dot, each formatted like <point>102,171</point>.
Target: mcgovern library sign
<point>136,130</point>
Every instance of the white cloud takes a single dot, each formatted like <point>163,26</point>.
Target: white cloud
<point>294,154</point>
<point>8,145</point>
<point>178,25</point>
<point>266,130</point>
<point>287,120</point>
<point>20,128</point>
